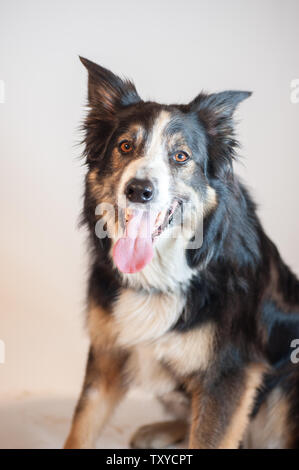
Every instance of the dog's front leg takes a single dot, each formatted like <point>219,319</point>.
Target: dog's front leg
<point>221,408</point>
<point>103,387</point>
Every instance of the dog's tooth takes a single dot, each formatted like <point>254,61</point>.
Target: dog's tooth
<point>159,218</point>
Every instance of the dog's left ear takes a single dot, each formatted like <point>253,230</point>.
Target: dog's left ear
<point>215,113</point>
<point>216,110</point>
<point>107,92</point>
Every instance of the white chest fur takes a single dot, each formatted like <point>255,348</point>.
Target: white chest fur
<point>185,353</point>
<point>143,322</point>
<point>145,316</point>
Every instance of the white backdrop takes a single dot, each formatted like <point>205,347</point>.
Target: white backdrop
<point>172,49</point>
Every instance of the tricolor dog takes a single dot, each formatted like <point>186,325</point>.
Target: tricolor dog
<point>187,295</point>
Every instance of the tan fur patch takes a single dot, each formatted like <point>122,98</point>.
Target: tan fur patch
<point>135,132</point>
<point>270,427</point>
<point>178,140</point>
<point>240,418</point>
<point>87,424</point>
<point>101,190</point>
<point>101,327</point>
<point>211,200</point>
<point>92,176</point>
<point>103,387</point>
<point>187,352</point>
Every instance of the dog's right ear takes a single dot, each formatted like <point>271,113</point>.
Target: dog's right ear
<point>107,92</point>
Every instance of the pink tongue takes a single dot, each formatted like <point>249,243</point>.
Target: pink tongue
<point>134,251</point>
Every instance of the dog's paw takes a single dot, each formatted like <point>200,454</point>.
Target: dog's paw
<point>158,435</point>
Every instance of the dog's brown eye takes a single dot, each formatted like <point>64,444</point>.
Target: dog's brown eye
<point>181,157</point>
<point>126,146</point>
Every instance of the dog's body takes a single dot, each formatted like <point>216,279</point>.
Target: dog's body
<point>207,328</point>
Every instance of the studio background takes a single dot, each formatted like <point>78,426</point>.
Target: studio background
<point>172,50</point>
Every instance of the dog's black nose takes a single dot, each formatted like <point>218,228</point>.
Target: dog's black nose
<point>139,190</point>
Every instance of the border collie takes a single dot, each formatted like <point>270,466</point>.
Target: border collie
<point>187,295</point>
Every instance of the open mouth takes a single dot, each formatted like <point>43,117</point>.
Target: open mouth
<point>165,218</point>
<point>133,251</point>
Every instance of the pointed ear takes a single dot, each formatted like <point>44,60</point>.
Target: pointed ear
<point>216,110</point>
<point>215,113</point>
<point>107,92</point>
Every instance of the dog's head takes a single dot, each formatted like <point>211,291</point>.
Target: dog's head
<point>152,167</point>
